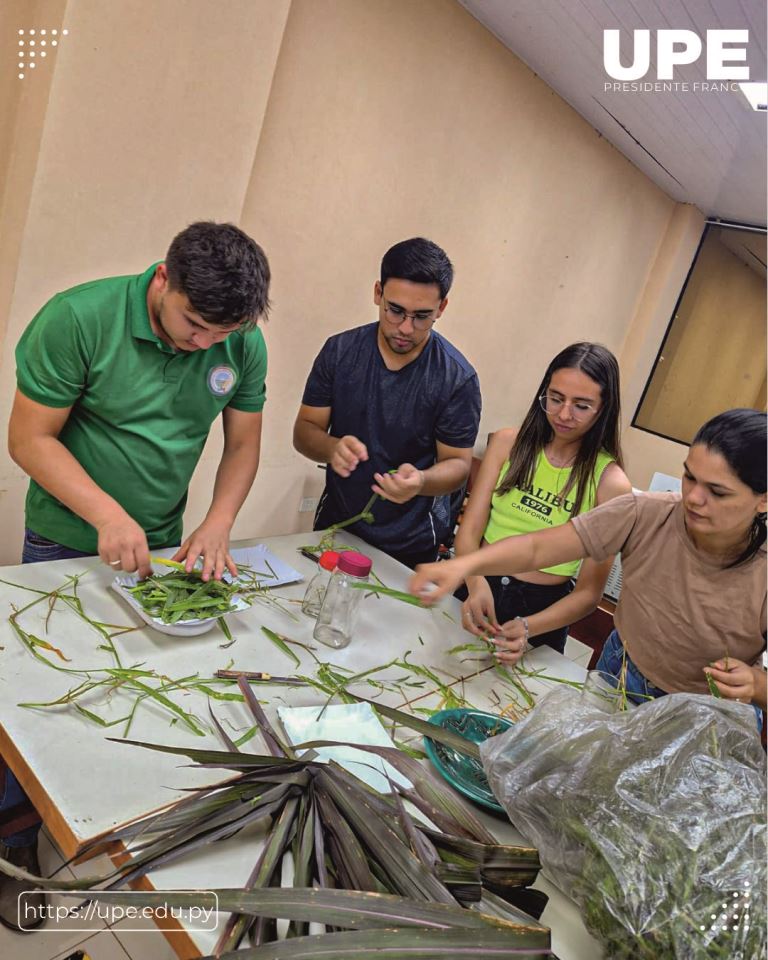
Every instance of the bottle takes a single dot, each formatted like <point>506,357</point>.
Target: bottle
<point>336,619</point>
<point>315,593</point>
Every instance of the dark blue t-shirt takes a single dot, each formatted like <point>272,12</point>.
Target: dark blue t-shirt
<point>399,415</point>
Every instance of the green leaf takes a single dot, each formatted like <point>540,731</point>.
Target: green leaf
<point>713,687</point>
<point>404,871</point>
<point>218,758</point>
<point>403,944</point>
<point>341,908</point>
<point>436,799</point>
<point>349,854</point>
<point>281,645</point>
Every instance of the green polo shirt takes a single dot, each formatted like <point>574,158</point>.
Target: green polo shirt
<point>141,411</point>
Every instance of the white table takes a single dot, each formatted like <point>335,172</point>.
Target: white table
<point>84,785</point>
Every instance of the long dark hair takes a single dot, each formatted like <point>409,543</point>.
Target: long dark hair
<point>600,365</point>
<point>740,437</point>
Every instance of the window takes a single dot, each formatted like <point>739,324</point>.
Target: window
<point>712,357</point>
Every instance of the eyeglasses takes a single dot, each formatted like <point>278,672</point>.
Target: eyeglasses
<point>580,410</point>
<point>421,319</point>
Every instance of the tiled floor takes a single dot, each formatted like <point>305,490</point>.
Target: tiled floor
<point>117,942</point>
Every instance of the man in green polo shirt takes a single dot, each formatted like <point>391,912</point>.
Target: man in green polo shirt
<point>119,381</point>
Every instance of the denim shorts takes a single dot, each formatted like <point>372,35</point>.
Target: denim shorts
<point>639,689</point>
<point>517,598</point>
<point>612,661</point>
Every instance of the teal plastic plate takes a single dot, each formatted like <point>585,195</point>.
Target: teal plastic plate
<point>464,773</point>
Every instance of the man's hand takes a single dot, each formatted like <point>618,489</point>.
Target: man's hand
<point>123,545</point>
<point>401,486</point>
<point>736,680</point>
<point>510,642</point>
<point>347,454</point>
<point>211,543</point>
<point>478,613</point>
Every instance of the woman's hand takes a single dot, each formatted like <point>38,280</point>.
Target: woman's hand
<point>511,642</point>
<point>737,680</point>
<point>431,581</point>
<point>478,613</point>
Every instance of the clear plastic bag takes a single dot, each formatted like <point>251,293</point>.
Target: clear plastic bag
<point>652,820</point>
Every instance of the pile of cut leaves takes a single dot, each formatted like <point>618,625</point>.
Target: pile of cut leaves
<point>179,596</point>
<point>381,879</point>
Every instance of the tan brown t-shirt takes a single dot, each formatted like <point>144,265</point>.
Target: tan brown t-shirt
<point>679,609</point>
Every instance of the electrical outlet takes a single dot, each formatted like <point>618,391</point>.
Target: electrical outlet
<point>308,505</point>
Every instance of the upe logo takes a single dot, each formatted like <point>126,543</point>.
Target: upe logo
<point>677,48</point>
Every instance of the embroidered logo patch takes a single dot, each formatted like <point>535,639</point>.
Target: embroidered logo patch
<point>221,380</point>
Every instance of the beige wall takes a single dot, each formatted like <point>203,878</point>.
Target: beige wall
<point>330,129</point>
<point>709,365</point>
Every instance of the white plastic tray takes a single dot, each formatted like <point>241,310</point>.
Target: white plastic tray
<point>189,628</point>
<point>258,558</point>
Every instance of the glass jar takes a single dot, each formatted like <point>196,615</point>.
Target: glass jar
<point>337,616</point>
<point>315,592</point>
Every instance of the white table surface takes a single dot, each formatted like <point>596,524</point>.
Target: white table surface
<point>85,785</point>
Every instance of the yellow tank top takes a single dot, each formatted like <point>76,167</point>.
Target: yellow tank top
<point>540,506</point>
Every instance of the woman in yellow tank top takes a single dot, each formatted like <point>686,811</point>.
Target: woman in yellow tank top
<point>563,460</point>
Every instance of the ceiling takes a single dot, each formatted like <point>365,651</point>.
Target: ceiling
<point>701,147</point>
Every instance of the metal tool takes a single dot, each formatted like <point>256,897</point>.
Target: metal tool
<point>260,677</point>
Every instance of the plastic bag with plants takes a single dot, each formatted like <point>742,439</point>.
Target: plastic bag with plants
<point>653,820</point>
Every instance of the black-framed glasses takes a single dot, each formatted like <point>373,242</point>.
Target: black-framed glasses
<point>580,409</point>
<point>421,319</point>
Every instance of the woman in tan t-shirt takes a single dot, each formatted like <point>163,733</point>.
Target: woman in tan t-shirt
<point>693,597</point>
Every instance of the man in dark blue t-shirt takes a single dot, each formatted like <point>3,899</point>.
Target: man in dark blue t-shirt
<point>394,409</point>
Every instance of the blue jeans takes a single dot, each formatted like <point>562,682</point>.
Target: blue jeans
<point>638,688</point>
<point>36,549</point>
<point>612,660</point>
<point>11,795</point>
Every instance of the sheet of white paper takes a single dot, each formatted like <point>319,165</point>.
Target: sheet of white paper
<point>260,559</point>
<point>349,723</point>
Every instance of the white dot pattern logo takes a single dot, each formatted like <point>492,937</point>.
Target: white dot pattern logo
<point>32,53</point>
<point>735,915</point>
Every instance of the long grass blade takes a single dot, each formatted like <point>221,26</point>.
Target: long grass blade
<point>405,872</point>
<point>275,745</point>
<point>281,645</point>
<point>449,737</point>
<point>406,944</point>
<point>342,908</point>
<point>218,758</point>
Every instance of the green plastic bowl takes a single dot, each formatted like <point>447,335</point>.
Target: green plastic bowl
<point>464,773</point>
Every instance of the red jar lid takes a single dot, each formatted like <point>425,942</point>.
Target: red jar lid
<point>328,560</point>
<point>355,564</point>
